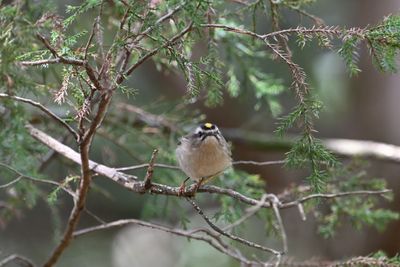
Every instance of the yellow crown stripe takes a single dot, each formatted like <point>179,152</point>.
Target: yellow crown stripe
<point>208,125</point>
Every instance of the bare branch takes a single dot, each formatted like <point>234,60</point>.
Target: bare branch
<point>231,236</point>
<point>275,203</point>
<point>145,165</point>
<point>212,239</point>
<point>131,183</point>
<point>45,110</point>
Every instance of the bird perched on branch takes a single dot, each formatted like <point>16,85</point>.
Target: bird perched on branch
<point>203,154</point>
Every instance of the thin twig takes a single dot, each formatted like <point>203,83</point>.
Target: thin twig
<point>36,180</point>
<point>275,203</point>
<point>174,167</point>
<point>333,195</point>
<point>145,165</point>
<point>231,236</point>
<point>70,61</point>
<point>251,211</point>
<point>45,110</point>
<point>258,163</point>
<point>17,258</point>
<point>159,21</point>
<point>141,60</point>
<point>89,40</point>
<point>16,180</point>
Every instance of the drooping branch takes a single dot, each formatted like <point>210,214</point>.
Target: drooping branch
<point>229,235</point>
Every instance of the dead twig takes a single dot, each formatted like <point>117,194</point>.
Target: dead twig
<point>150,170</point>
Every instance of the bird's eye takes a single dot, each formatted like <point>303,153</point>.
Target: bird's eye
<point>199,133</point>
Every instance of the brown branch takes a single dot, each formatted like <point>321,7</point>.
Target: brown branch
<point>86,177</point>
<point>144,58</point>
<point>70,61</point>
<point>23,261</point>
<point>101,111</point>
<point>89,40</point>
<point>45,110</point>
<point>150,170</point>
<point>89,70</point>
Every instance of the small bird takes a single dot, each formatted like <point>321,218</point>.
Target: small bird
<point>203,154</point>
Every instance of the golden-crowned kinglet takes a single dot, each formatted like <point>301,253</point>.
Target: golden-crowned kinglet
<point>203,154</point>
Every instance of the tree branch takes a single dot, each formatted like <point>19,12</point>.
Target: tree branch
<point>69,61</point>
<point>45,110</point>
<point>211,238</point>
<point>131,183</point>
